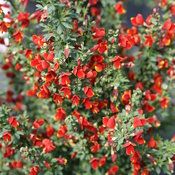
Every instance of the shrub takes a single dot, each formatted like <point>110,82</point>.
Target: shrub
<point>86,94</point>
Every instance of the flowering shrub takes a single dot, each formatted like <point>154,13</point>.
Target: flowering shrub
<point>86,93</point>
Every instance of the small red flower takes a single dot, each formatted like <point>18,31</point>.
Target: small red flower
<point>94,163</point>
<point>16,164</point>
<point>49,131</point>
<point>34,170</point>
<point>88,92</point>
<point>139,122</point>
<point>138,138</point>
<point>95,147</point>
<point>152,143</point>
<point>38,123</point>
<point>150,96</point>
<point>102,47</point>
<point>60,114</point>
<point>44,92</point>
<point>49,56</point>
<point>61,160</point>
<point>7,136</point>
<point>126,41</point>
<point>13,122</point>
<point>98,33</point>
<point>148,108</point>
<point>164,102</point>
<point>162,63</point>
<point>149,40</point>
<point>58,99</point>
<point>117,62</point>
<point>48,145</point>
<point>18,36</point>
<point>138,20</point>
<point>172,9</point>
<point>38,40</point>
<point>64,79</point>
<point>8,152</point>
<point>113,170</point>
<point>23,17</point>
<point>62,131</point>
<point>129,146</point>
<point>75,100</point>
<point>126,97</point>
<point>102,161</point>
<point>93,2</point>
<point>66,92</point>
<point>79,72</point>
<point>109,122</point>
<point>119,8</point>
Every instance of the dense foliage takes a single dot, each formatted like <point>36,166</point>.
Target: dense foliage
<point>87,94</point>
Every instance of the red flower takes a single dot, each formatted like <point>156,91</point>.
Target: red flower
<point>164,102</point>
<point>129,146</point>
<point>126,41</point>
<point>172,9</point>
<point>7,136</point>
<point>49,56</point>
<point>94,163</point>
<point>13,122</point>
<point>148,108</point>
<point>60,114</point>
<point>49,131</point>
<point>66,91</point>
<point>62,131</point>
<point>88,92</point>
<point>93,2</point>
<point>44,92</point>
<point>138,20</point>
<point>18,36</point>
<point>8,152</point>
<point>102,47</point>
<point>95,11</point>
<point>167,25</point>
<point>99,33</point>
<point>95,147</point>
<point>148,41</point>
<point>38,40</point>
<point>75,100</point>
<point>61,160</point>
<point>117,62</point>
<point>79,72</point>
<point>16,164</point>
<point>38,123</point>
<point>162,63</point>
<point>34,170</point>
<point>48,145</point>
<point>23,17</point>
<point>113,170</point>
<point>99,67</point>
<point>126,97</point>
<point>109,122</point>
<point>150,96</point>
<point>102,161</point>
<point>119,8</point>
<point>139,122</point>
<point>152,143</point>
<point>64,79</point>
<point>58,99</point>
<point>138,138</point>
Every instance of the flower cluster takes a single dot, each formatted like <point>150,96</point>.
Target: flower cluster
<point>94,90</point>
